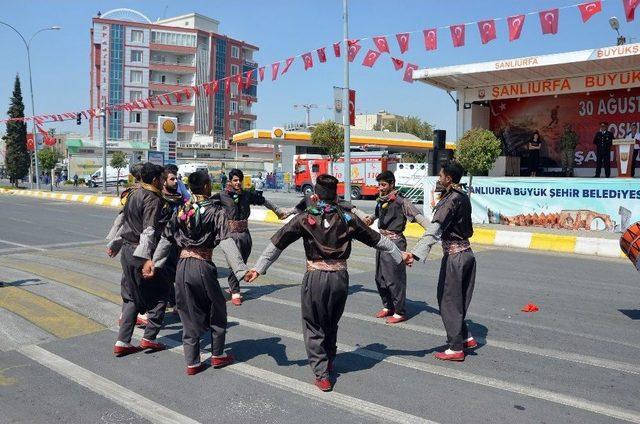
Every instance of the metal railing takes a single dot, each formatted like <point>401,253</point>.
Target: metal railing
<point>181,84</point>
<point>191,64</point>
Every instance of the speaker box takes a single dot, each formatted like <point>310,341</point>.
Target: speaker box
<point>439,139</point>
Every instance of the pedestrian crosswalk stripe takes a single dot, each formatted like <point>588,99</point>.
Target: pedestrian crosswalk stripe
<point>129,399</point>
<point>82,282</point>
<point>49,316</point>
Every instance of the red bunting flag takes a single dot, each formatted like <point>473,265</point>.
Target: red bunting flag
<point>196,90</point>
<point>178,96</point>
<point>240,82</point>
<point>261,72</point>
<point>308,60</point>
<point>336,49</point>
<point>549,21</point>
<point>457,35</point>
<point>287,65</point>
<point>515,24</point>
<point>403,41</point>
<point>322,55</point>
<point>227,85</point>
<point>353,51</point>
<point>370,58</point>
<point>207,88</point>
<point>215,87</point>
<point>408,73</point>
<point>430,38</point>
<point>397,63</point>
<point>187,93</point>
<point>84,114</point>
<point>92,113</point>
<point>167,98</point>
<point>274,70</point>
<point>381,44</point>
<point>630,9</point>
<point>159,100</point>
<point>353,42</point>
<point>487,30</point>
<point>249,77</point>
<point>587,10</point>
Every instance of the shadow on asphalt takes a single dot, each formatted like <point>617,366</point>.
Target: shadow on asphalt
<point>21,282</point>
<point>634,314</point>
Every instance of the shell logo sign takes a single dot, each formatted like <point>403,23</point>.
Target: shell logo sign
<point>168,126</point>
<point>277,132</point>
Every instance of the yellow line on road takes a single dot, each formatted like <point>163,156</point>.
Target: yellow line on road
<point>79,281</point>
<point>56,319</point>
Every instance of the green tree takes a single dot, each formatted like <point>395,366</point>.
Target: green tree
<point>17,156</point>
<point>330,136</point>
<point>118,161</point>
<point>412,125</point>
<point>477,151</point>
<point>48,159</point>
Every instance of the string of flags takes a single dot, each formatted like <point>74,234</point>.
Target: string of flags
<point>548,19</point>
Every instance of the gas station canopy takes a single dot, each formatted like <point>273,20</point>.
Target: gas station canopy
<point>392,141</point>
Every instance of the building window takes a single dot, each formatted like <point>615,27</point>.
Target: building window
<point>135,135</point>
<point>137,36</point>
<point>136,56</point>
<point>135,95</point>
<point>234,69</point>
<point>172,38</point>
<point>233,126</point>
<point>235,52</point>
<point>136,77</point>
<point>233,107</point>
<point>135,117</point>
<point>234,89</point>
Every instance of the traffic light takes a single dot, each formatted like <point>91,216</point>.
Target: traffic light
<point>78,119</point>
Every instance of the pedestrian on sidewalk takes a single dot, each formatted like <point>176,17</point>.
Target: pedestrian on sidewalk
<point>451,223</point>
<point>327,232</point>
<point>196,229</point>
<point>392,212</point>
<point>143,216</point>
<point>237,204</point>
<point>75,180</point>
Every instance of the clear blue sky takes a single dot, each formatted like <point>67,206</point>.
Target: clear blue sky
<point>286,27</point>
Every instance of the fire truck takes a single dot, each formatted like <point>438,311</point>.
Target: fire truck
<point>365,166</point>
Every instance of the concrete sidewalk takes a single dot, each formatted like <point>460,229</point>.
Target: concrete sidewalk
<point>598,243</point>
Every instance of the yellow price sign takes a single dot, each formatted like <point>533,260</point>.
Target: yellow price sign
<point>287,177</point>
<point>246,182</point>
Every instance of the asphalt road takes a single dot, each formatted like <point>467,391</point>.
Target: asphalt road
<point>575,361</point>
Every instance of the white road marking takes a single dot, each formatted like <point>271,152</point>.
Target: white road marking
<point>348,403</point>
<point>517,347</point>
<point>20,245</point>
<point>131,400</point>
<point>44,247</point>
<point>547,395</point>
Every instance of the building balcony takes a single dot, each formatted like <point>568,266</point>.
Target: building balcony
<point>172,48</point>
<point>181,107</point>
<point>181,127</point>
<point>176,68</point>
<point>167,86</point>
<point>247,116</point>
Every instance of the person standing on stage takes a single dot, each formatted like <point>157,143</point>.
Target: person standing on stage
<point>143,215</point>
<point>392,212</point>
<point>451,223</point>
<point>534,147</point>
<point>603,141</point>
<point>237,203</point>
<point>196,229</point>
<point>327,232</point>
<point>633,134</point>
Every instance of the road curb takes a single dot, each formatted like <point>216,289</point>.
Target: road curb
<point>524,240</point>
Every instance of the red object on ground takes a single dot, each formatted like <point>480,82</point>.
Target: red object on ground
<point>470,344</point>
<point>530,307</point>
<point>222,361</point>
<point>396,320</point>
<point>444,356</point>
<point>150,344</point>
<point>125,350</point>
<point>383,314</point>
<point>195,370</point>
<point>323,384</point>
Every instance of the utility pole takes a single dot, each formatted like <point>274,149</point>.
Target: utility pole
<point>345,104</point>
<point>104,146</point>
<point>307,108</point>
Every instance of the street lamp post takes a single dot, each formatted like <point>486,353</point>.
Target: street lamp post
<point>345,104</point>
<point>27,45</point>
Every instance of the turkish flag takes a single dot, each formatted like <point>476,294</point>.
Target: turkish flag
<point>403,41</point>
<point>381,44</point>
<point>322,55</point>
<point>457,35</point>
<point>308,60</point>
<point>177,95</point>
<point>227,85</point>
<point>336,49</point>
<point>240,82</point>
<point>167,98</point>
<point>353,42</point>
<point>549,21</point>
<point>515,24</point>
<point>408,72</point>
<point>84,114</point>
<point>274,70</point>
<point>587,10</point>
<point>196,90</point>
<point>430,38</point>
<point>487,30</point>
<point>397,63</point>
<point>187,94</point>
<point>630,9</point>
<point>352,107</point>
<point>30,143</point>
<point>207,88</point>
<point>92,113</point>
<point>261,72</point>
<point>370,58</point>
<point>287,65</point>
<point>249,77</point>
<point>353,50</point>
